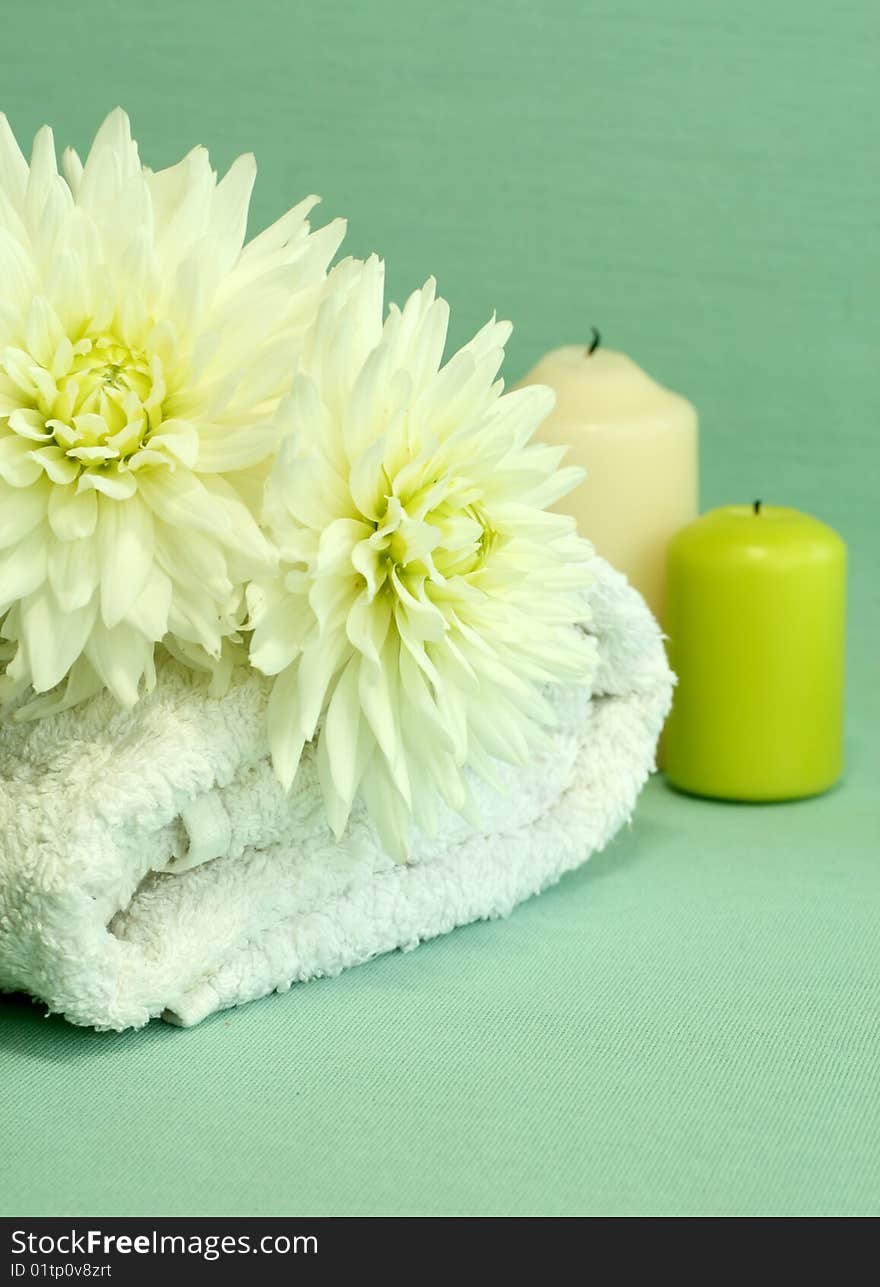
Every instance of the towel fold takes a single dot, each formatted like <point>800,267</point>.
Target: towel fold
<point>151,865</point>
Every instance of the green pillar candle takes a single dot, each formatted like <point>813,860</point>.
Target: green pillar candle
<point>755,618</point>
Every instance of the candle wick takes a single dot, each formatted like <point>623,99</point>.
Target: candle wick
<point>596,341</point>
<point>757,507</point>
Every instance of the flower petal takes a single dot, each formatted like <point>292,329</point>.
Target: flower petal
<point>120,656</point>
<point>125,548</point>
<point>23,568</point>
<point>278,636</point>
<point>340,734</point>
<point>13,166</point>
<point>29,423</point>
<point>377,689</point>
<point>149,613</point>
<point>179,499</point>
<point>52,638</point>
<point>367,624</point>
<point>116,484</point>
<point>58,466</point>
<point>73,572</point>
<point>21,509</point>
<point>17,465</point>
<point>179,438</point>
<point>285,741</point>
<point>72,513</point>
<point>221,449</point>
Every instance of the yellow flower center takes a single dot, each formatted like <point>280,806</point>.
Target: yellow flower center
<point>466,539</point>
<point>453,539</point>
<point>108,401</point>
<point>92,413</point>
<point>108,368</point>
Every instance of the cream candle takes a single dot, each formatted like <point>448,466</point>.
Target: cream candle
<point>638,443</point>
<point>755,618</point>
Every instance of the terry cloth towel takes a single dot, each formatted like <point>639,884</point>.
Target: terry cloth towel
<point>150,864</point>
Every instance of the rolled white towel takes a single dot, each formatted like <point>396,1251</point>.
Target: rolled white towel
<point>150,864</point>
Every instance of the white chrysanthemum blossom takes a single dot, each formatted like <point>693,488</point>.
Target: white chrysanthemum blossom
<point>424,595</point>
<point>144,350</point>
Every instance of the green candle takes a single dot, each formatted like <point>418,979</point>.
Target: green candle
<point>755,618</point>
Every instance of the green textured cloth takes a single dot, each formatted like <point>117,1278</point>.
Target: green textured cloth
<point>690,1024</point>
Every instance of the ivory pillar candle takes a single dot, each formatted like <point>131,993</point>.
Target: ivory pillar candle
<point>755,618</point>
<point>638,444</point>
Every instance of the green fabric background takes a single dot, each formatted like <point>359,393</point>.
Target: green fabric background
<point>690,1024</point>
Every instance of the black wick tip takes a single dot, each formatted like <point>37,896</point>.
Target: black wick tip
<point>757,507</point>
<point>595,342</point>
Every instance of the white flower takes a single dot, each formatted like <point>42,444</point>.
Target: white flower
<point>143,354</point>
<point>424,594</point>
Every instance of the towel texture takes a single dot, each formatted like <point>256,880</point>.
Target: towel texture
<point>150,864</point>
